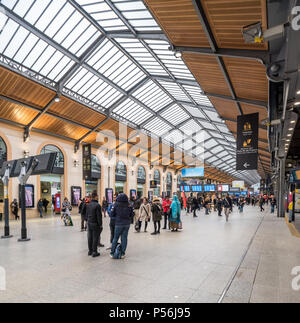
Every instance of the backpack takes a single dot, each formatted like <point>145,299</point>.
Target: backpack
<point>118,252</point>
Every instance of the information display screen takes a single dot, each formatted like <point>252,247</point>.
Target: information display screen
<point>209,188</point>
<point>223,188</point>
<point>197,188</point>
<point>192,172</point>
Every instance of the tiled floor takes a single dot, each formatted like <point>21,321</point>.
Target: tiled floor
<point>194,265</point>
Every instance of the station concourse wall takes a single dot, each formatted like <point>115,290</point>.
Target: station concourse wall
<point>13,137</point>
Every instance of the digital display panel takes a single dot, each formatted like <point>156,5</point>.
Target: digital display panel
<point>223,188</point>
<point>193,172</point>
<point>109,192</point>
<point>209,188</point>
<point>197,188</point>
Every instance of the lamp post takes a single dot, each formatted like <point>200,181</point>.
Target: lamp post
<point>5,180</point>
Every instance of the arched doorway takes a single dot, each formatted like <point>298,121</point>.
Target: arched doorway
<point>169,184</point>
<point>3,158</point>
<point>93,184</point>
<point>156,177</point>
<point>120,177</point>
<point>52,184</point>
<point>141,181</point>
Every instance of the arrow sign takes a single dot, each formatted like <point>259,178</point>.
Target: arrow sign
<point>246,165</point>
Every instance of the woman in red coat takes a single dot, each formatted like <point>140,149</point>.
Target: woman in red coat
<point>166,207</point>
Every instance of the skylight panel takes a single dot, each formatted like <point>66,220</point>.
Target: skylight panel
<point>113,64</point>
<point>195,112</point>
<point>103,14</point>
<point>175,137</point>
<point>152,96</point>
<point>133,112</point>
<point>175,115</point>
<point>190,128</point>
<point>158,127</point>
<point>175,91</point>
<point>210,143</point>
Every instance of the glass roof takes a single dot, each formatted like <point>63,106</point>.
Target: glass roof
<point>112,55</point>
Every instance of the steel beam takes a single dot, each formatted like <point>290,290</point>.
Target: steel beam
<point>259,55</point>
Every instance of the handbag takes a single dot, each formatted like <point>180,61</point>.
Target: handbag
<point>148,217</point>
<point>180,225</point>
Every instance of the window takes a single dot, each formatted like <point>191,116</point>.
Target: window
<point>59,163</point>
<point>121,172</point>
<point>157,176</point>
<point>141,175</point>
<point>96,166</point>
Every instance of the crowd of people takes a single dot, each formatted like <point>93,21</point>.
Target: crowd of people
<point>139,212</point>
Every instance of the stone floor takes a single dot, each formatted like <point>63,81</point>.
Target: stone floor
<point>194,265</point>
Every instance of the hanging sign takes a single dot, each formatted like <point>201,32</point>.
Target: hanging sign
<point>247,142</point>
<point>87,161</point>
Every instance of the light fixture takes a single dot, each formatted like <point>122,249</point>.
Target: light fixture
<point>298,92</point>
<point>291,129</point>
<point>297,103</point>
<point>178,54</point>
<point>293,121</point>
<point>57,99</point>
<point>26,153</point>
<point>288,134</point>
<point>76,162</point>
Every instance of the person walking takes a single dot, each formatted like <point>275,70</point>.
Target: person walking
<point>189,203</point>
<point>15,209</point>
<point>123,214</point>
<point>241,204</point>
<point>206,205</point>
<point>166,210</point>
<point>144,214</point>
<point>94,220</point>
<point>273,204</point>
<point>112,223</point>
<point>45,204</point>
<point>175,219</point>
<point>40,206</point>
<point>219,204</point>
<point>195,206</point>
<point>261,203</point>
<point>136,208</point>
<point>83,214</point>
<point>227,206</point>
<point>157,211</point>
<point>104,206</point>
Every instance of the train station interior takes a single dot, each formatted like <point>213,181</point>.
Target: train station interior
<point>149,151</point>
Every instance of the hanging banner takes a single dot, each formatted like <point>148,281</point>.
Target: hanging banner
<point>87,161</point>
<point>247,142</point>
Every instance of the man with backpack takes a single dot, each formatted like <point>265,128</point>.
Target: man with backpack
<point>123,214</point>
<point>94,220</point>
<point>227,206</point>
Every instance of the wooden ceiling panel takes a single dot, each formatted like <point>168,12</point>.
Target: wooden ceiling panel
<point>22,89</point>
<point>227,109</point>
<point>74,111</point>
<point>227,18</point>
<point>207,72</point>
<point>59,127</point>
<point>248,78</point>
<point>16,113</point>
<point>247,109</point>
<point>179,20</point>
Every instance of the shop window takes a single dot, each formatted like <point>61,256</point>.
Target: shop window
<point>121,172</point>
<point>141,175</point>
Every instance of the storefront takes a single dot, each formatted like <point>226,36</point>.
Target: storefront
<point>141,182</point>
<point>120,177</point>
<point>3,158</point>
<point>156,177</point>
<point>52,184</point>
<point>169,184</point>
<point>93,184</point>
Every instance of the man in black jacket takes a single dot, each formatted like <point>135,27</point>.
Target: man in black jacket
<point>94,219</point>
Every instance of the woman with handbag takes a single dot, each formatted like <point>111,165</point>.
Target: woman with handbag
<point>144,214</point>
